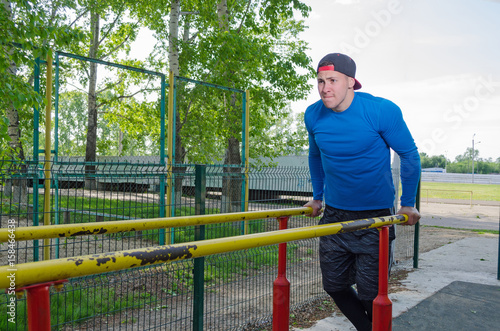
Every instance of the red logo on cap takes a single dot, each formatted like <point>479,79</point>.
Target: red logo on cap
<point>327,68</point>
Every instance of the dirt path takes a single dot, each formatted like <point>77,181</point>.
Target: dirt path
<point>461,216</point>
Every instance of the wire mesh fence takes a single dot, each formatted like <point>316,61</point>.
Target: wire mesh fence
<point>237,286</point>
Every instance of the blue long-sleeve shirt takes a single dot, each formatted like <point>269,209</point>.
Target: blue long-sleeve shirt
<point>349,154</point>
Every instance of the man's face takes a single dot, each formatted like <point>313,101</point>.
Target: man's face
<point>335,89</point>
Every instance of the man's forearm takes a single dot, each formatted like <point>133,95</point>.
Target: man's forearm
<point>410,176</point>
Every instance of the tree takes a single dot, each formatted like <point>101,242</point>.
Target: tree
<point>463,164</point>
<point>29,30</point>
<point>72,118</point>
<point>110,31</point>
<point>433,161</point>
<point>467,155</point>
<point>111,139</point>
<point>242,44</point>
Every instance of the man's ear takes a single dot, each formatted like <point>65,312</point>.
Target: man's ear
<point>351,82</point>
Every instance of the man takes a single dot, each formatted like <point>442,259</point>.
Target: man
<point>350,136</point>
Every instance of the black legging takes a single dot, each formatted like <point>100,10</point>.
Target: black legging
<point>359,312</point>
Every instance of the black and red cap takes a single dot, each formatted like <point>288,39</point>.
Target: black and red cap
<point>341,63</point>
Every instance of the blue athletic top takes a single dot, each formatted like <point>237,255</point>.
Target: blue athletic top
<point>349,155</point>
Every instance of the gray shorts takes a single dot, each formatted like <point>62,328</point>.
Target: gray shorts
<point>351,258</point>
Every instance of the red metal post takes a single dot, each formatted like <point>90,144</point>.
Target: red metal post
<point>38,301</point>
<point>281,289</point>
<point>382,305</point>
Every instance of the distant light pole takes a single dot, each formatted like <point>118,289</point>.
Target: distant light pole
<point>473,156</point>
<point>445,160</point>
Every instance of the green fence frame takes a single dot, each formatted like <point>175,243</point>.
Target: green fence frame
<point>36,139</point>
<point>164,85</point>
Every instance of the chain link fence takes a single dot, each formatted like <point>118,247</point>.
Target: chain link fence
<point>237,286</point>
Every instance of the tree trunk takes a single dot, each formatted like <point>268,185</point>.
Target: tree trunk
<point>120,142</point>
<point>173,50</point>
<point>173,61</point>
<point>19,187</point>
<point>223,15</point>
<point>90,150</point>
<point>232,181</point>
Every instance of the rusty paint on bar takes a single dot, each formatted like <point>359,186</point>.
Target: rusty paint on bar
<point>51,270</point>
<point>71,230</point>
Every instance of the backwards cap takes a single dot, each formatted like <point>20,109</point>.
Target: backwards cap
<point>341,63</point>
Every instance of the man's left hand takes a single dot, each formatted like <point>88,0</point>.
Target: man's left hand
<point>412,213</point>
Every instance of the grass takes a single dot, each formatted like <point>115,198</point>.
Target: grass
<point>187,234</point>
<point>129,208</point>
<point>488,192</point>
<point>76,304</point>
<point>254,259</point>
<point>480,231</point>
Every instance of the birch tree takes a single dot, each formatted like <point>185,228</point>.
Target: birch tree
<point>242,44</point>
<point>29,30</point>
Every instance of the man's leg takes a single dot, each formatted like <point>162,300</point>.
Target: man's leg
<point>368,305</point>
<point>349,304</point>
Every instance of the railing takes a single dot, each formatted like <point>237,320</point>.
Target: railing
<point>37,277</point>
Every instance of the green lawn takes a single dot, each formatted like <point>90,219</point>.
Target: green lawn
<point>460,191</point>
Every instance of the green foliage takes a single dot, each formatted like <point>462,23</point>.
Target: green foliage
<point>432,161</point>
<point>462,163</point>
<point>259,50</point>
<point>78,303</point>
<point>30,30</point>
<point>72,123</point>
<point>73,112</point>
<point>480,231</point>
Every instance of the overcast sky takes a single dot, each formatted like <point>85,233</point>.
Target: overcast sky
<point>438,60</point>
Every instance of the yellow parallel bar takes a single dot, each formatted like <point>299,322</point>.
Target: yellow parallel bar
<point>48,122</point>
<point>52,270</point>
<point>70,230</point>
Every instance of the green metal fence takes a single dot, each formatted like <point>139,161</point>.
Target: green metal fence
<point>237,287</point>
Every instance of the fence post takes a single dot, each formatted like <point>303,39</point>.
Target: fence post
<point>199,234</point>
<point>36,152</point>
<point>281,289</point>
<point>382,305</point>
<point>38,305</point>
<point>498,267</point>
<point>416,236</point>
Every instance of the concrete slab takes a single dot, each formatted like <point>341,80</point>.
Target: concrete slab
<point>471,260</point>
<point>458,306</point>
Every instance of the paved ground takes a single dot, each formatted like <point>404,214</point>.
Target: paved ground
<point>481,215</point>
<point>472,260</point>
<point>476,304</point>
<point>456,286</point>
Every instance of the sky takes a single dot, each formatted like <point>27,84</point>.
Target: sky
<point>439,61</point>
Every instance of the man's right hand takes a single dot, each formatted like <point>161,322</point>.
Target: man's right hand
<point>316,206</point>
